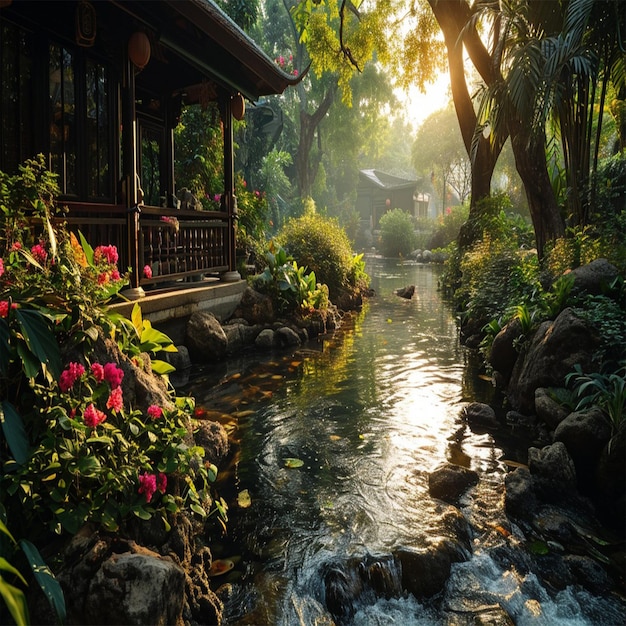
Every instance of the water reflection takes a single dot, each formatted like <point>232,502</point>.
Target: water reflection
<point>337,440</point>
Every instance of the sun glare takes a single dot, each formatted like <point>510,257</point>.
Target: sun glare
<point>419,105</point>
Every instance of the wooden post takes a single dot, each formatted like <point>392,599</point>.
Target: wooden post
<point>229,198</point>
<point>130,182</point>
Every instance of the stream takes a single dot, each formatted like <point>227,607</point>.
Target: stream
<point>333,446</point>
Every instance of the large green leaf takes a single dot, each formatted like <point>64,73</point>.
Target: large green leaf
<point>15,601</point>
<point>40,339</point>
<point>45,579</point>
<point>14,433</point>
<point>161,367</point>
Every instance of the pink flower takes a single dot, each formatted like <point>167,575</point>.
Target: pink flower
<point>105,253</point>
<point>217,197</point>
<point>70,375</point>
<point>115,275</point>
<point>113,375</point>
<point>39,252</point>
<point>98,372</point>
<point>115,401</point>
<point>4,308</point>
<point>16,246</point>
<point>295,72</point>
<point>93,417</point>
<point>1,267</point>
<point>147,485</point>
<point>147,271</point>
<point>155,411</point>
<point>103,278</point>
<point>161,482</point>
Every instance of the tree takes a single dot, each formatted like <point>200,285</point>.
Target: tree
<point>438,149</point>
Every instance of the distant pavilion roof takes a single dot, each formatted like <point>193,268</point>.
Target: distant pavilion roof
<point>387,181</point>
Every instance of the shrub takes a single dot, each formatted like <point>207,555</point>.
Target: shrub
<point>397,233</point>
<point>448,227</point>
<point>322,246</point>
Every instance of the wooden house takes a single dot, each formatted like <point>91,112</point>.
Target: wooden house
<point>379,192</point>
<point>97,87</point>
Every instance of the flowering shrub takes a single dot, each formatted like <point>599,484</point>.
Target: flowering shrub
<point>95,461</point>
<point>72,449</point>
<point>286,64</point>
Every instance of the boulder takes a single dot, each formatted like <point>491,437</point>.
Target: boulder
<point>553,471</point>
<point>136,589</point>
<point>426,570</point>
<point>205,338</point>
<point>594,277</point>
<point>240,335</point>
<point>255,307</point>
<point>548,409</point>
<point>480,415</point>
<point>504,353</point>
<point>265,339</point>
<point>213,438</point>
<point>585,434</point>
<point>520,500</point>
<point>553,351</point>
<point>450,482</point>
<point>286,337</point>
<point>406,292</point>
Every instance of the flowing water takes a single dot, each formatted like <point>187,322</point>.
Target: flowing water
<point>334,443</point>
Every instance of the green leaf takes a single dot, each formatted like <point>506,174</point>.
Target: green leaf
<point>136,319</point>
<point>87,249</point>
<point>196,508</point>
<point>45,578</point>
<point>30,364</point>
<point>141,513</point>
<point>40,339</point>
<point>293,463</point>
<point>88,465</point>
<point>5,566</point>
<point>15,602</point>
<point>14,432</point>
<point>162,367</point>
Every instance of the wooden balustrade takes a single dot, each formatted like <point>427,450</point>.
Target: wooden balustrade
<point>175,245</point>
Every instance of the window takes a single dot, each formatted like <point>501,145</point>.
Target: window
<point>80,124</point>
<point>16,102</point>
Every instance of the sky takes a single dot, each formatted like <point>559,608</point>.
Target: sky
<point>418,105</point>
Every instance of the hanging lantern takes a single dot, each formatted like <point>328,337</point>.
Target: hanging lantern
<point>85,24</point>
<point>139,49</point>
<point>238,107</point>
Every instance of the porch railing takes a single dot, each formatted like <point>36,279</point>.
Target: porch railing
<point>176,245</point>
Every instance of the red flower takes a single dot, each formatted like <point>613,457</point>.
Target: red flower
<point>1,267</point>
<point>93,417</point>
<point>105,253</point>
<point>115,400</point>
<point>155,411</point>
<point>4,308</point>
<point>39,252</point>
<point>147,485</point>
<point>98,372</point>
<point>113,375</point>
<point>70,375</point>
<point>147,271</point>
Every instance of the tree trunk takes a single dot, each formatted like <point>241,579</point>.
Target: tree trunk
<point>453,18</point>
<point>530,161</point>
<point>309,123</point>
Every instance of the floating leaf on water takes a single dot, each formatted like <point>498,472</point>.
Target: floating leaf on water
<point>243,499</point>
<point>277,377</point>
<point>220,566</point>
<point>244,413</point>
<point>296,363</point>
<point>388,320</point>
<point>361,436</point>
<point>484,377</point>
<point>293,463</point>
<point>335,437</point>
